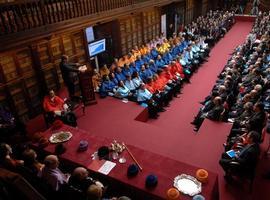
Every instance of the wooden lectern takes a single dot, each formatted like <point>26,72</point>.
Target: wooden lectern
<point>86,86</point>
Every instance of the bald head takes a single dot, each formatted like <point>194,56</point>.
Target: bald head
<point>222,88</point>
<point>51,161</point>
<point>258,87</point>
<point>217,100</point>
<point>80,173</point>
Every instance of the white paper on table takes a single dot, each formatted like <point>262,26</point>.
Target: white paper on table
<point>106,167</point>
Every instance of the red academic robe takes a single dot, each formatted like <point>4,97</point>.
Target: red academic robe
<point>50,105</point>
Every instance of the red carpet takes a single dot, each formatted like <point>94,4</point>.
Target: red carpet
<point>172,134</point>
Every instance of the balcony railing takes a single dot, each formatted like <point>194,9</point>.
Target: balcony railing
<point>18,15</point>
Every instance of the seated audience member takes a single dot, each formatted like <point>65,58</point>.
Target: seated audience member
<point>138,63</point>
<point>96,80</point>
<point>143,73</point>
<point>57,108</point>
<point>6,160</point>
<point>119,75</point>
<point>173,81</point>
<point>114,65</point>
<point>177,70</point>
<point>159,62</point>
<point>144,96</point>
<point>153,66</point>
<point>131,58</point>
<point>113,79</point>
<point>136,80</point>
<point>94,192</point>
<point>148,71</point>
<point>246,113</point>
<point>124,198</point>
<point>136,52</point>
<point>244,162</point>
<point>107,87</point>
<point>9,125</point>
<point>144,50</point>
<point>132,67</point>
<point>104,70</point>
<point>127,70</point>
<point>130,84</point>
<point>154,53</point>
<point>213,114</point>
<point>122,91</point>
<point>81,180</point>
<point>254,123</point>
<point>146,58</point>
<point>52,174</point>
<point>186,66</point>
<point>30,161</point>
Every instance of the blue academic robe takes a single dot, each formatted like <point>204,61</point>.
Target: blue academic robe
<point>160,63</point>
<point>120,76</point>
<point>146,58</point>
<point>106,86</point>
<point>154,53</point>
<point>138,64</point>
<point>143,95</point>
<point>126,71</point>
<point>149,73</point>
<point>143,75</point>
<point>153,67</point>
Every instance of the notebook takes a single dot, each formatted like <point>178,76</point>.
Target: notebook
<point>231,153</point>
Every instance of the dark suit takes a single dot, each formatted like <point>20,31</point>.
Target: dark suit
<point>247,160</point>
<point>215,113</point>
<point>69,74</point>
<point>256,122</point>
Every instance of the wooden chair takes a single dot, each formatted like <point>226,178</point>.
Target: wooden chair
<point>245,174</point>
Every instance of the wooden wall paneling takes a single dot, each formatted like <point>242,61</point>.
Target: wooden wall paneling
<point>2,77</point>
<point>9,67</point>
<point>204,7</point>
<point>26,95</point>
<point>3,96</point>
<point>122,28</point>
<point>18,96</point>
<point>33,93</point>
<point>24,60</point>
<point>55,54</point>
<point>78,40</point>
<point>50,74</point>
<point>151,24</point>
<point>189,11</point>
<point>68,46</point>
<point>6,99</point>
<point>43,53</point>
<point>38,71</point>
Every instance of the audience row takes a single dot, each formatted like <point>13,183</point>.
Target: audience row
<point>241,96</point>
<point>50,180</point>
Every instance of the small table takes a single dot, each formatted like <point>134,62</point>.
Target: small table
<point>164,168</point>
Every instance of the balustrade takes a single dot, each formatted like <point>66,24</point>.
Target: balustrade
<point>16,15</point>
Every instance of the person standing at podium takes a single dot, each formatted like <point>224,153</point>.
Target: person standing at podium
<point>69,74</point>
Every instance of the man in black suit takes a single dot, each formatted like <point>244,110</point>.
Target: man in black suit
<point>244,162</point>
<point>213,114</point>
<point>69,74</point>
<point>255,123</point>
<point>257,120</point>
